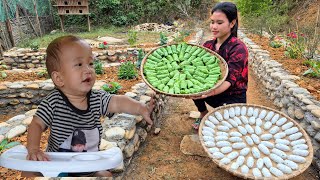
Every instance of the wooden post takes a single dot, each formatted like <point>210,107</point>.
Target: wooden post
<point>26,14</point>
<point>62,22</point>
<point>8,24</point>
<point>37,17</point>
<point>18,20</point>
<point>88,23</point>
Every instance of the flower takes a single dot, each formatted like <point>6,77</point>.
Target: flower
<point>105,43</point>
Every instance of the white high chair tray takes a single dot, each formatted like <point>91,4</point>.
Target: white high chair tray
<point>15,158</point>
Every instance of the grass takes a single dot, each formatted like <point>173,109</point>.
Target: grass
<point>116,32</point>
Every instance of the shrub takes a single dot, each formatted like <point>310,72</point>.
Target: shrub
<point>295,47</point>
<point>132,37</point>
<point>111,87</point>
<point>163,39</point>
<point>127,70</point>
<point>314,68</point>
<point>34,46</point>
<point>140,58</point>
<point>98,66</point>
<point>43,73</point>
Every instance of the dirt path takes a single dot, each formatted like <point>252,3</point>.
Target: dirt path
<point>160,156</point>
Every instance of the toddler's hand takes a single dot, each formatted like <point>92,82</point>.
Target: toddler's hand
<point>37,155</point>
<point>147,110</point>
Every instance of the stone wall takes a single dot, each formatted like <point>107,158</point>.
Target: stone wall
<point>123,130</point>
<point>280,86</point>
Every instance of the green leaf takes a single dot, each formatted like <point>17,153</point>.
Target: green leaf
<point>11,144</point>
<point>4,142</point>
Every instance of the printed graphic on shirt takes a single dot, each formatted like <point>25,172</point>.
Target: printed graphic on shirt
<point>81,141</point>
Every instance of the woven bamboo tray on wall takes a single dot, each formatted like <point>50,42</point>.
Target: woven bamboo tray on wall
<point>223,66</point>
<point>302,167</point>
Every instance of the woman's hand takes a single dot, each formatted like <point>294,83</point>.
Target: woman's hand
<point>211,93</point>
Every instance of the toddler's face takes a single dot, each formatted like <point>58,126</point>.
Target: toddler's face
<point>77,71</point>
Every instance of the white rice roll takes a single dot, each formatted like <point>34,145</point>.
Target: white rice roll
<point>233,123</point>
<point>233,155</point>
<point>249,140</point>
<point>250,162</point>
<point>234,166</point>
<point>258,130</point>
<point>255,138</point>
<point>282,147</point>
<point>266,173</point>
<point>274,130</point>
<point>226,149</point>
<point>239,145</point>
<point>219,133</point>
<point>218,155</point>
<point>237,120</point>
<point>209,124</point>
<point>280,153</point>
<point>291,130</point>
<point>263,114</point>
<point>276,158</point>
<point>267,125</point>
<point>258,122</point>
<point>299,141</point>
<point>276,171</point>
<point>209,144</point>
<point>263,149</point>
<point>232,112</point>
<point>287,126</point>
<point>269,116</point>
<point>223,128</point>
<point>221,138</point>
<point>295,136</point>
<point>213,150</point>
<point>226,114</point>
<point>244,169</point>
<point>223,143</point>
<point>275,118</point>
<point>237,111</point>
<point>296,158</point>
<point>235,139</point>
<point>213,120</point>
<point>281,121</point>
<point>255,152</point>
<point>207,133</point>
<point>235,134</point>
<point>249,128</point>
<point>218,115</point>
<point>225,161</point>
<point>267,162</point>
<point>300,152</point>
<point>244,119</point>
<point>208,138</point>
<point>260,163</point>
<point>207,129</point>
<point>267,144</point>
<point>244,151</point>
<point>282,141</point>
<point>256,173</point>
<point>250,111</point>
<point>242,130</point>
<point>300,146</point>
<point>225,123</point>
<point>256,112</point>
<point>252,120</point>
<point>266,137</point>
<point>243,111</point>
<point>279,135</point>
<point>240,160</point>
<point>291,164</point>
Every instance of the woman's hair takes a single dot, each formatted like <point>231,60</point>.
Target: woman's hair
<point>53,62</point>
<point>230,10</point>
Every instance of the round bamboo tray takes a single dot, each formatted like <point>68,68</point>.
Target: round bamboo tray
<point>302,166</point>
<point>223,66</point>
